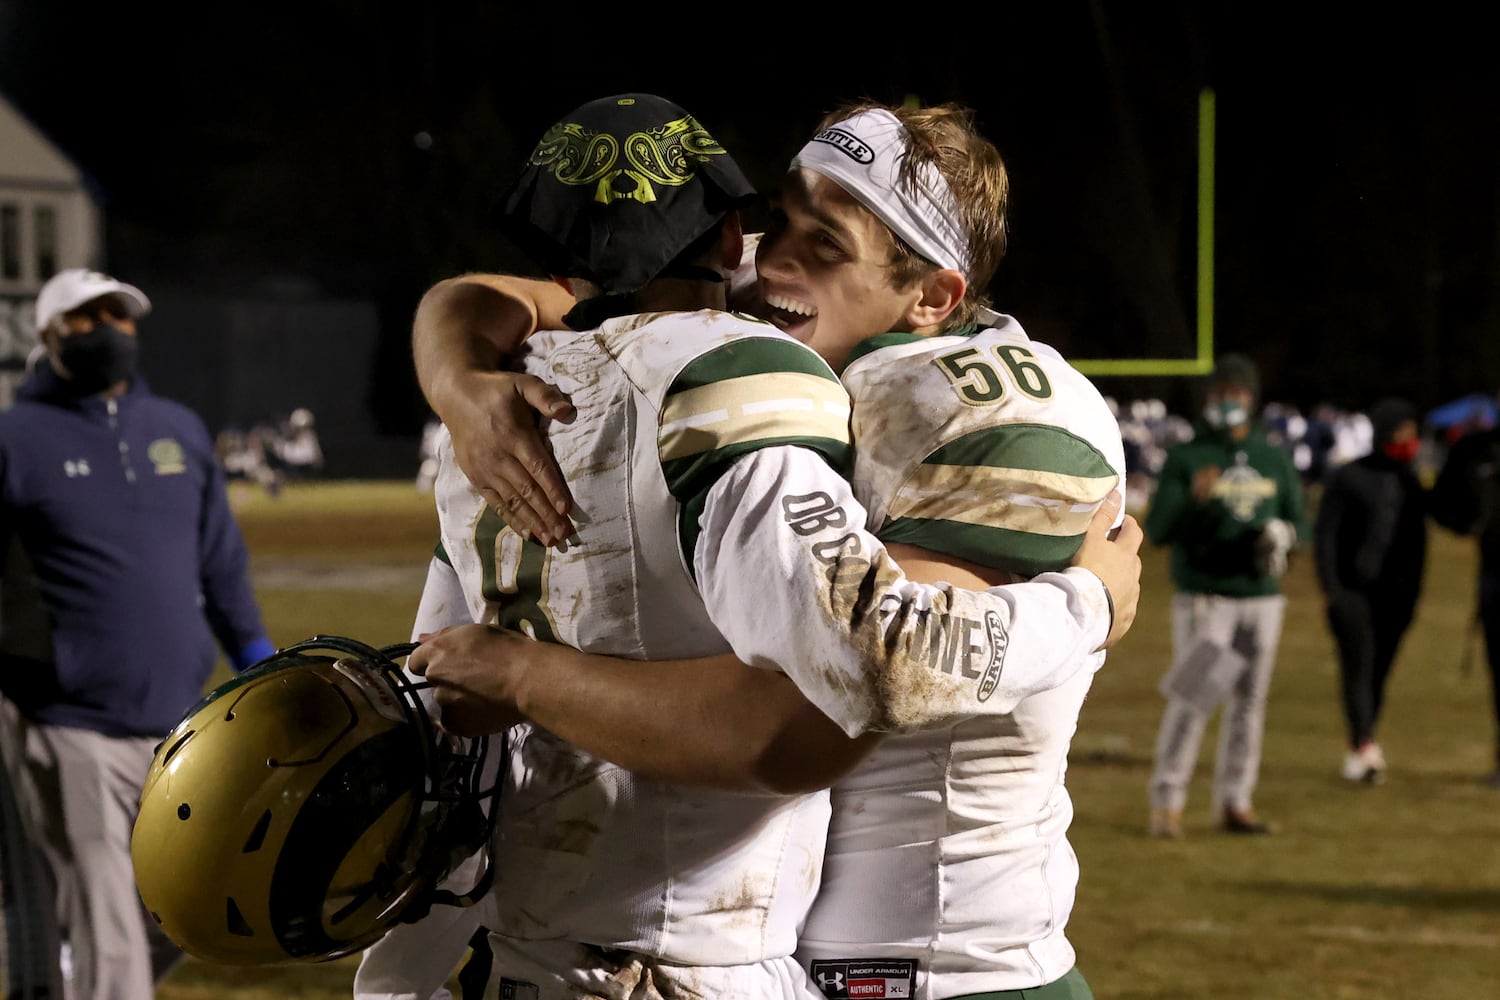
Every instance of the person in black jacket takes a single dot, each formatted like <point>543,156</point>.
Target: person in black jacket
<point>122,573</point>
<point>1370,545</point>
<point>1466,500</point>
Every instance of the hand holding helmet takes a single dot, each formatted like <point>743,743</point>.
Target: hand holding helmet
<point>303,808</point>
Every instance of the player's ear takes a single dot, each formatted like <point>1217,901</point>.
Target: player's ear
<point>942,291</point>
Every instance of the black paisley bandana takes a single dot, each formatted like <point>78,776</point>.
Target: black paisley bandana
<point>620,187</point>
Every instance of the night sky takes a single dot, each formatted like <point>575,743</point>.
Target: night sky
<point>355,148</point>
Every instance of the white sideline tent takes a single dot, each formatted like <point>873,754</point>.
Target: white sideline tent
<point>49,220</point>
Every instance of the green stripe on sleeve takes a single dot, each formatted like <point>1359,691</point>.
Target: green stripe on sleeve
<point>1038,447</point>
<point>1021,552</point>
<point>754,393</point>
<point>690,479</point>
<point>750,356</point>
<point>1015,497</point>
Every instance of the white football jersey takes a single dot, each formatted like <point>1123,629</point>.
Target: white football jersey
<point>948,869</point>
<point>585,850</point>
<point>709,462</point>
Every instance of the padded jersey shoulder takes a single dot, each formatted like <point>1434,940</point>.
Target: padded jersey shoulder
<point>988,446</point>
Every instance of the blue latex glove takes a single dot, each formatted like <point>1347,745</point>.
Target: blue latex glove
<point>252,653</point>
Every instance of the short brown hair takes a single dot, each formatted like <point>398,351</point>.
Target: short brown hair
<point>944,135</point>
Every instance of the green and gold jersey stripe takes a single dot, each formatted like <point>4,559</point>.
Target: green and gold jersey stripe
<point>750,356</point>
<point>751,394</point>
<point>1038,447</point>
<point>1017,497</point>
<point>752,408</point>
<point>989,496</point>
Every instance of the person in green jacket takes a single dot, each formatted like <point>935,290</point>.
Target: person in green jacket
<point>1230,504</point>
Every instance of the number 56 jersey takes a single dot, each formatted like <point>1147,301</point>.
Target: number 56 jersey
<point>948,868</point>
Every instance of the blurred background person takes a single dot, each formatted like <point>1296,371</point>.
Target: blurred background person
<point>1370,546</point>
<point>1353,437</point>
<point>1320,437</point>
<point>242,456</point>
<point>1464,500</point>
<point>296,448</point>
<point>125,565</point>
<point>1230,504</point>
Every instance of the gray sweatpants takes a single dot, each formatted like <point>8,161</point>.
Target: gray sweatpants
<point>78,792</point>
<point>1246,631</point>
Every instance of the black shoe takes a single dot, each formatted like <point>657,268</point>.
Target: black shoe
<point>1243,821</point>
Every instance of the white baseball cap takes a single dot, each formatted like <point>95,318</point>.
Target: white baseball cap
<point>67,290</point>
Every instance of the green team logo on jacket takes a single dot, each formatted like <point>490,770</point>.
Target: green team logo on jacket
<point>1242,489</point>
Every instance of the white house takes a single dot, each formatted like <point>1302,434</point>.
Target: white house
<point>49,220</point>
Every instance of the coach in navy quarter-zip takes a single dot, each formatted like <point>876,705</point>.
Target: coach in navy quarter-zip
<point>121,567</point>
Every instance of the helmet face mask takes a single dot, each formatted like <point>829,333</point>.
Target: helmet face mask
<point>303,808</point>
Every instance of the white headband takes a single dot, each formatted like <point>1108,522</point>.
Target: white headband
<point>862,155</point>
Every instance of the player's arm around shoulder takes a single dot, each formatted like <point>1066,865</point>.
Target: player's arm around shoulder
<point>723,399</point>
<point>1111,552</point>
<point>707,722</point>
<point>1107,565</point>
<point>795,582</point>
<point>465,331</point>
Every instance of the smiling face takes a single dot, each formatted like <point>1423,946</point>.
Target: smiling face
<point>826,269</point>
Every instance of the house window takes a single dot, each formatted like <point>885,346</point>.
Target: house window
<point>10,242</point>
<point>44,224</point>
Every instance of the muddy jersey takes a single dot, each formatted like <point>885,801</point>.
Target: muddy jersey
<point>708,463</point>
<point>948,869</point>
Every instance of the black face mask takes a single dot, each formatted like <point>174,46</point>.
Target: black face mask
<point>97,359</point>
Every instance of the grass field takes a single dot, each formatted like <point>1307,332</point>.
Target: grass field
<point>1365,893</point>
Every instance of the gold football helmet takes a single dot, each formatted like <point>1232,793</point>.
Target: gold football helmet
<point>304,807</point>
